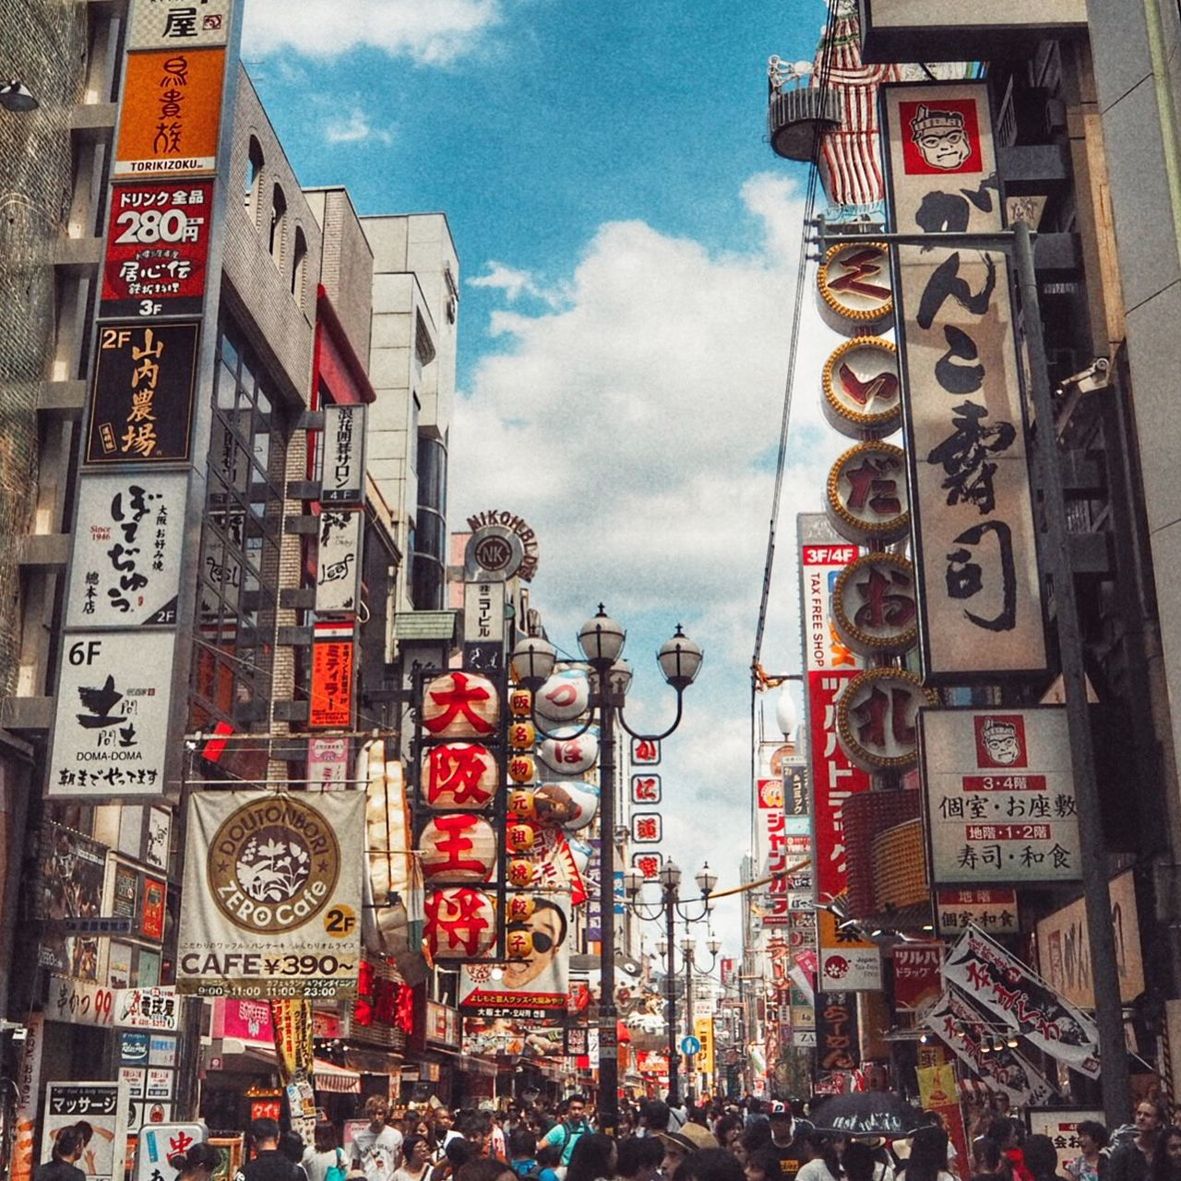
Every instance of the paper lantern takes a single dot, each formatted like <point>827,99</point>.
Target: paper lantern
<point>570,756</point>
<point>520,908</point>
<point>521,872</point>
<point>519,837</point>
<point>458,846</point>
<point>520,703</point>
<point>460,705</point>
<point>564,696</point>
<point>570,804</point>
<point>460,923</point>
<point>458,775</point>
<point>521,736</point>
<point>518,945</point>
<point>522,769</point>
<point>521,805</point>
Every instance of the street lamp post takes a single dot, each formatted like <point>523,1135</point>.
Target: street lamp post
<point>601,640</point>
<point>689,955</point>
<point>670,907</point>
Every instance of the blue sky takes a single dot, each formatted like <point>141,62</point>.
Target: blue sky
<point>628,247</point>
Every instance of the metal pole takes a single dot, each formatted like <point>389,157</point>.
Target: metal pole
<point>1056,557</point>
<point>608,1030</point>
<point>690,1059</point>
<point>670,987</point>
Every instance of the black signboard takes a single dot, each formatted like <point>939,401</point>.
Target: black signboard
<point>837,1045</point>
<point>142,399</point>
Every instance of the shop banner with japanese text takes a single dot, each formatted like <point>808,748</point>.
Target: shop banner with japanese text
<point>1023,1001</point>
<point>271,903</point>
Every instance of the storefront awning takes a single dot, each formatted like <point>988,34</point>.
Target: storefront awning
<point>337,1080</point>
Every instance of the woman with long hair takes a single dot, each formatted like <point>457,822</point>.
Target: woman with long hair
<point>1166,1158</point>
<point>928,1157</point>
<point>593,1158</point>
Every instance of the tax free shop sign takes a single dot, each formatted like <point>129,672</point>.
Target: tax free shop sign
<point>271,905</point>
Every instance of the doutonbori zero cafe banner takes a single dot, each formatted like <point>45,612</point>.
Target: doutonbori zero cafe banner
<point>966,1032</point>
<point>1022,1000</point>
<point>272,895</point>
<point>970,500</point>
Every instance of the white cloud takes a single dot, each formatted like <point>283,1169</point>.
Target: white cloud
<point>634,425</point>
<point>433,33</point>
<point>355,128</point>
<point>514,283</point>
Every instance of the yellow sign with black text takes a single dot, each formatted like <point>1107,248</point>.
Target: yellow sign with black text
<point>703,1030</point>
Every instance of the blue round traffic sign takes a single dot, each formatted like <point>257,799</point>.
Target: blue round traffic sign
<point>690,1044</point>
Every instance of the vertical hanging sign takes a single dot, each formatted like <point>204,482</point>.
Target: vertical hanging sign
<point>971,512</point>
<point>342,474</point>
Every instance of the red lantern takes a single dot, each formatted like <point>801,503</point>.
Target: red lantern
<point>519,837</point>
<point>521,769</point>
<point>460,705</point>
<point>458,775</point>
<point>458,846</point>
<point>460,923</point>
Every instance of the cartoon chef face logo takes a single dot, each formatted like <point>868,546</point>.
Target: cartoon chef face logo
<point>1000,741</point>
<point>940,136</point>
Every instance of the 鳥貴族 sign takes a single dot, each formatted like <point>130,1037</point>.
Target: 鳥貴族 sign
<point>157,246</point>
<point>999,796</point>
<point>272,895</point>
<point>128,536</point>
<point>111,726</point>
<point>171,109</point>
<point>142,394</point>
<point>972,519</point>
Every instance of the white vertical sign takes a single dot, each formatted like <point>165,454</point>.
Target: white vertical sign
<point>342,474</point>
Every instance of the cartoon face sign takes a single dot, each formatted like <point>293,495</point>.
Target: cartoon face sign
<point>1000,741</point>
<point>941,137</point>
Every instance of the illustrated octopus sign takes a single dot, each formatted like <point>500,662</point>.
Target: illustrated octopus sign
<point>973,523</point>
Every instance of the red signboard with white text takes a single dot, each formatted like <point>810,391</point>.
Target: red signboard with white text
<point>829,666</point>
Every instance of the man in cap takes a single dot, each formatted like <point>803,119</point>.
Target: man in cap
<point>787,1144</point>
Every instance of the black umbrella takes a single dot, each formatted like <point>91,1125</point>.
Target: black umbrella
<point>866,1113</point>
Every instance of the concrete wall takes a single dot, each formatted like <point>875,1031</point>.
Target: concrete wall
<point>1136,45</point>
<point>346,265</point>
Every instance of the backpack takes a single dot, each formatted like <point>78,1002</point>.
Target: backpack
<point>337,1172</point>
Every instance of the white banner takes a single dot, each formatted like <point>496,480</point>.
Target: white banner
<point>963,1029</point>
<point>1023,1001</point>
<point>272,895</point>
<point>338,562</point>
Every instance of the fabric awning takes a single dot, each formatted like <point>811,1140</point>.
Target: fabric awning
<point>338,1080</point>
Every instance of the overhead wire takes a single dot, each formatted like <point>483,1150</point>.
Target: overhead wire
<point>824,71</point>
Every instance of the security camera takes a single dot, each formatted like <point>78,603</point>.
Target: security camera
<point>1097,376</point>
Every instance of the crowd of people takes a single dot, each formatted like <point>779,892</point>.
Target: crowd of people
<point>658,1141</point>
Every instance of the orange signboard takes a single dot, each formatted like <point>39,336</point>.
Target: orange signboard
<point>332,684</point>
<point>171,111</point>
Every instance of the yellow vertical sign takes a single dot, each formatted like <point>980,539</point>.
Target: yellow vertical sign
<point>703,1030</point>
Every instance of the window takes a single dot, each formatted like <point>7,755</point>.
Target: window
<point>254,162</point>
<point>299,262</point>
<point>239,566</point>
<point>278,224</point>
